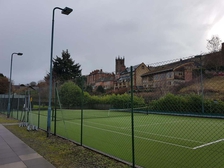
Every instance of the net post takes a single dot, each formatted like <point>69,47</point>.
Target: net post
<point>108,113</point>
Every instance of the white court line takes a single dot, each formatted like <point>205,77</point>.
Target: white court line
<point>167,136</point>
<point>207,144</point>
<point>125,128</point>
<point>159,123</point>
<point>182,146</point>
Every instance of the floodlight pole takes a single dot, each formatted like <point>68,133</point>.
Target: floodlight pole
<point>10,84</point>
<point>65,11</point>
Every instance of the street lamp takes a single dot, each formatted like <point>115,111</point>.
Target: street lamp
<point>65,11</point>
<point>10,83</point>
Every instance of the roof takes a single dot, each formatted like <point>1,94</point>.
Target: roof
<point>124,78</point>
<point>128,69</point>
<point>168,67</point>
<point>106,79</point>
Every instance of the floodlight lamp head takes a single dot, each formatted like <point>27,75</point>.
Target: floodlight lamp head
<point>19,54</point>
<point>66,11</point>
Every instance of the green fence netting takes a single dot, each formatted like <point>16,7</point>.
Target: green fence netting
<point>167,114</point>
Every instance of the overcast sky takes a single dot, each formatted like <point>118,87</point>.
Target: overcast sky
<point>98,31</point>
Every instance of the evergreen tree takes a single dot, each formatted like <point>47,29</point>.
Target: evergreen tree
<point>4,84</point>
<point>214,61</point>
<point>64,68</point>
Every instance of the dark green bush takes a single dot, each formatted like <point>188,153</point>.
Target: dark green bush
<point>117,101</point>
<point>192,103</point>
<point>70,95</point>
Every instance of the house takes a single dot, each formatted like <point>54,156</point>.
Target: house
<point>124,78</point>
<point>169,75</point>
<point>98,77</point>
<point>107,83</point>
<point>181,71</point>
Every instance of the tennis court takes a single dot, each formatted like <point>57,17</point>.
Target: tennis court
<point>159,140</point>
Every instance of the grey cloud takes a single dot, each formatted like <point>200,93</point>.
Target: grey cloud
<point>98,31</point>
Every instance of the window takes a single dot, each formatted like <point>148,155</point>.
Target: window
<point>169,75</point>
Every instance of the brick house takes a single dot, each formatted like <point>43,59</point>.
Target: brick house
<point>98,77</point>
<point>106,83</point>
<point>169,75</point>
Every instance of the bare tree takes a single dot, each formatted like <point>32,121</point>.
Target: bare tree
<point>213,60</point>
<point>214,44</point>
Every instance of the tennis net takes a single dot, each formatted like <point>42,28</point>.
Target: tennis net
<point>71,114</point>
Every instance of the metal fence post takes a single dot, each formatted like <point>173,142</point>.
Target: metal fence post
<point>202,88</point>
<point>38,122</point>
<point>55,108</point>
<point>82,99</point>
<point>132,121</point>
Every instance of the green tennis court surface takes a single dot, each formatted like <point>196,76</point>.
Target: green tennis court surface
<point>160,140</point>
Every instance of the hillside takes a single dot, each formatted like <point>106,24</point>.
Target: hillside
<point>213,87</point>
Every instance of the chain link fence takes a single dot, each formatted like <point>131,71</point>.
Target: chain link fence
<point>16,104</point>
<point>167,114</point>
<point>183,125</point>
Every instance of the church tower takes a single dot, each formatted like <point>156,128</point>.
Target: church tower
<point>119,63</point>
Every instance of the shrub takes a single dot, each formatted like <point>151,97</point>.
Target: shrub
<point>192,103</point>
<point>70,95</point>
<point>116,101</point>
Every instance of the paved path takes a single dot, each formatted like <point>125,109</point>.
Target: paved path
<point>14,153</point>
